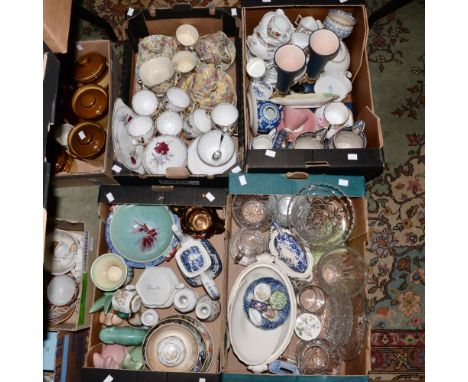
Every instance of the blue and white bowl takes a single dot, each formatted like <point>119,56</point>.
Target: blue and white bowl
<point>269,116</point>
<point>340,22</point>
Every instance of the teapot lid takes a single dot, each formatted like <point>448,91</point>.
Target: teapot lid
<point>89,67</point>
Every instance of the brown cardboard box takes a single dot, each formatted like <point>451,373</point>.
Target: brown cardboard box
<point>97,171</point>
<point>216,327</point>
<point>331,161</point>
<point>56,24</point>
<point>80,318</point>
<point>358,239</point>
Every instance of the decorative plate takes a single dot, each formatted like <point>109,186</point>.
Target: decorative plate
<point>322,216</point>
<point>329,83</point>
<point>294,259</point>
<point>163,152</point>
<point>213,271</point>
<point>307,327</point>
<point>197,167</point>
<point>125,151</point>
<point>269,314</point>
<point>141,233</point>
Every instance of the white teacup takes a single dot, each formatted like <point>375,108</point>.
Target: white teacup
<point>225,116</point>
<point>184,61</point>
<point>176,99</point>
<point>169,123</point>
<point>215,148</point>
<point>141,129</point>
<point>187,35</point>
<point>197,123</point>
<point>262,142</point>
<point>336,113</point>
<point>255,68</point>
<point>156,71</point>
<point>145,103</point>
<point>307,141</point>
<point>307,24</point>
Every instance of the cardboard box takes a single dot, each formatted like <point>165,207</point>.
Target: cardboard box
<point>166,21</point>
<point>370,161</point>
<point>56,24</point>
<point>80,318</point>
<point>358,239</point>
<point>96,171</point>
<point>170,197</point>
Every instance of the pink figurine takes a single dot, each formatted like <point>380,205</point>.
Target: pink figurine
<point>111,357</point>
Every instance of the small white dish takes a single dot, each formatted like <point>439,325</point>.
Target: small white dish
<point>215,148</point>
<point>340,63</point>
<point>163,152</point>
<point>197,167</point>
<point>169,123</point>
<point>144,102</point>
<point>334,83</point>
<point>61,290</point>
<point>157,287</point>
<point>300,39</point>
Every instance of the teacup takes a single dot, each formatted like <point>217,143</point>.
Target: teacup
<point>141,129</point>
<point>341,61</point>
<point>307,24</point>
<point>145,103</point>
<point>215,148</point>
<point>264,141</point>
<point>279,27</point>
<point>269,116</point>
<point>176,99</point>
<point>126,300</point>
<point>257,48</point>
<point>184,61</point>
<point>350,137</point>
<point>62,290</point>
<point>213,49</point>
<point>225,116</point>
<point>340,22</point>
<point>309,141</point>
<point>197,123</point>
<point>169,123</point>
<point>187,35</point>
<point>204,80</point>
<point>156,71</point>
<point>301,39</point>
<point>336,113</point>
<point>255,68</point>
<point>110,272</point>
<point>61,134</point>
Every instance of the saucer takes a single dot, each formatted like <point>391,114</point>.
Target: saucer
<point>125,151</point>
<point>197,167</point>
<point>330,84</point>
<point>308,326</point>
<point>163,152</point>
<point>60,252</point>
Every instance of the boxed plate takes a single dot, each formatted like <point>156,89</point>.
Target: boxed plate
<point>369,161</point>
<point>91,171</point>
<point>128,196</point>
<point>71,236</point>
<point>165,22</point>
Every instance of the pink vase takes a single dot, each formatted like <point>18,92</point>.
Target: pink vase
<point>111,357</point>
<point>297,121</point>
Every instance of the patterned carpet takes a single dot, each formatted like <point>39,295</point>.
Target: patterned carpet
<point>396,199</point>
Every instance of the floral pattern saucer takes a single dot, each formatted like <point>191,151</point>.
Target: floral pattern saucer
<point>163,152</point>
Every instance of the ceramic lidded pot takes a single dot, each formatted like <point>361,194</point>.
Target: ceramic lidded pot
<point>90,102</point>
<point>91,68</point>
<point>87,140</point>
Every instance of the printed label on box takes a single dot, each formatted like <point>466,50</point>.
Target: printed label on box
<point>343,182</point>
<point>130,12</point>
<point>352,156</point>
<point>270,153</point>
<point>234,12</point>
<point>242,180</point>
<point>116,168</point>
<point>210,196</point>
<point>110,197</point>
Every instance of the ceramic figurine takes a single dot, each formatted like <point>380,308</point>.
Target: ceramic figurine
<point>126,300</point>
<point>110,357</point>
<point>123,336</point>
<point>282,368</point>
<point>102,303</point>
<point>207,309</point>
<point>134,359</point>
<point>135,320</point>
<point>194,260</point>
<point>110,319</point>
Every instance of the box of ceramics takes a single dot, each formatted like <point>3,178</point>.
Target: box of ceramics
<point>179,120</point>
<point>296,277</point>
<point>68,252</point>
<point>307,86</point>
<point>160,285</point>
<point>79,142</point>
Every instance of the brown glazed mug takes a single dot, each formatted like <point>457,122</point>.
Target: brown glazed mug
<point>200,222</point>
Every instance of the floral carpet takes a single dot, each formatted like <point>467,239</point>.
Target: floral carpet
<point>396,199</point>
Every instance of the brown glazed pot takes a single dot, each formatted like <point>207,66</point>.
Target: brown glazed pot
<point>87,140</point>
<point>90,102</point>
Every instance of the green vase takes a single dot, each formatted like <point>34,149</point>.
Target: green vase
<point>123,336</point>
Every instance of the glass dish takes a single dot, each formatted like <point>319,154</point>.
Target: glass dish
<point>245,245</point>
<point>279,209</point>
<point>316,357</point>
<point>342,271</point>
<point>322,216</point>
<point>251,211</point>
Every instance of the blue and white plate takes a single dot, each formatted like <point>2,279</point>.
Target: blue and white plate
<point>249,300</point>
<point>293,258</point>
<point>213,271</point>
<point>127,241</point>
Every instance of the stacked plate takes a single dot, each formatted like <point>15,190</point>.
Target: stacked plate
<point>178,344</point>
<point>141,234</point>
<point>62,293</point>
<point>61,249</point>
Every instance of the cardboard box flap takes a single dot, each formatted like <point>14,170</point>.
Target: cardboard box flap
<point>279,3</point>
<point>167,195</point>
<point>289,184</point>
<point>56,24</point>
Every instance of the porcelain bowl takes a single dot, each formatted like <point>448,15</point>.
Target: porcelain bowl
<point>184,61</point>
<point>252,345</point>
<point>156,71</point>
<point>109,272</point>
<point>169,123</point>
<point>145,102</point>
<point>210,143</point>
<point>61,290</point>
